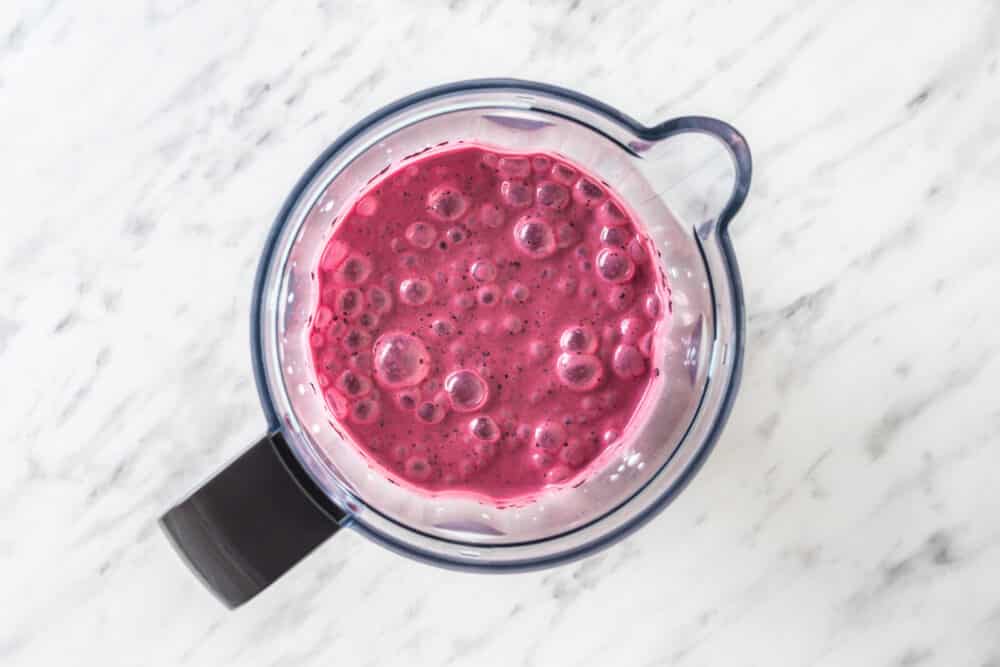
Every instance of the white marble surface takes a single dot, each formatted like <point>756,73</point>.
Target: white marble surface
<point>850,513</point>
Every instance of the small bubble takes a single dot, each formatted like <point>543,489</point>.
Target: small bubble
<point>579,372</point>
<point>365,411</point>
<point>515,193</point>
<point>621,297</point>
<point>566,235</point>
<point>417,468</point>
<point>541,459</point>
<point>379,300</point>
<point>397,244</point>
<point>534,237</point>
<point>407,399</point>
<point>567,285</point>
<point>421,235</point>
<point>353,385</point>
<point>637,251</point>
<point>577,452</point>
<point>557,474</point>
<point>587,192</point>
<point>540,164</point>
<point>631,329</point>
<point>463,301</point>
<point>368,206</point>
<point>609,437</point>
<point>514,167</point>
<point>401,360</point>
<point>446,203</point>
<point>488,295</point>
<point>334,253</point>
<point>316,339</point>
<point>369,320</point>
<point>415,291</point>
<point>485,327</point>
<point>466,389</point>
<point>628,362</point>
<point>430,412</point>
<point>337,403</point>
<point>354,270</point>
<point>491,215</point>
<point>609,213</point>
<point>646,344</point>
<point>356,339</point>
<point>549,435</point>
<point>442,327</point>
<point>539,350</point>
<point>552,195</point>
<point>484,271</point>
<point>519,293</point>
<point>513,324</point>
<point>456,234</point>
<point>614,236</point>
<point>614,265</point>
<point>579,339</point>
<point>563,173</point>
<point>484,428</point>
<point>651,306</point>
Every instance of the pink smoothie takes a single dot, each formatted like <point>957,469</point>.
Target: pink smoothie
<point>485,321</point>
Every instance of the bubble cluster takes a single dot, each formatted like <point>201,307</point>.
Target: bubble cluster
<point>534,237</point>
<point>579,372</point>
<point>400,360</point>
<point>466,390</point>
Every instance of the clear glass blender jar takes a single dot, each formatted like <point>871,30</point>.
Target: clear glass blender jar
<point>683,179</point>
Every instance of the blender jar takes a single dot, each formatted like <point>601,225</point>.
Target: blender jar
<point>683,180</point>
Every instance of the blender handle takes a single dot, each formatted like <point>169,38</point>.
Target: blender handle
<point>252,522</point>
<point>738,149</point>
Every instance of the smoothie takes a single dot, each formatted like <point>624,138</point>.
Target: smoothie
<point>486,321</point>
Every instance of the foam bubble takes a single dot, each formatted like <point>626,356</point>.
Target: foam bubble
<point>488,295</point>
<point>368,206</point>
<point>353,385</point>
<point>563,173</point>
<point>621,297</point>
<point>614,265</point>
<point>369,320</point>
<point>631,329</point>
<point>515,193</point>
<point>442,327</point>
<point>418,469</point>
<point>379,299</point>
<point>579,372</point>
<point>514,166</point>
<point>483,271</point>
<point>484,428</point>
<point>610,214</point>
<point>354,270</point>
<point>491,215</point>
<point>651,306</point>
<point>356,340</point>
<point>534,237</point>
<point>407,399</point>
<point>430,412</point>
<point>466,390</point>
<point>456,234</point>
<point>334,253</point>
<point>349,303</point>
<point>628,362</point>
<point>552,195</point>
<point>365,411</point>
<point>421,235</point>
<point>415,291</point>
<point>540,164</point>
<point>587,192</point>
<point>316,339</point>
<point>337,403</point>
<point>446,203</point>
<point>513,324</point>
<point>519,292</point>
<point>578,338</point>
<point>550,435</point>
<point>614,236</point>
<point>401,360</point>
<point>646,344</point>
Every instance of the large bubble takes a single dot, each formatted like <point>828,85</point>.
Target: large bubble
<point>534,237</point>
<point>579,372</point>
<point>401,360</point>
<point>466,389</point>
<point>614,265</point>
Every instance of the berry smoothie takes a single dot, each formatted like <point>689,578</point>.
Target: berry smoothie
<point>485,321</point>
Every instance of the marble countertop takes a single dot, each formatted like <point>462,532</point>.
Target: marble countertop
<point>849,515</point>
